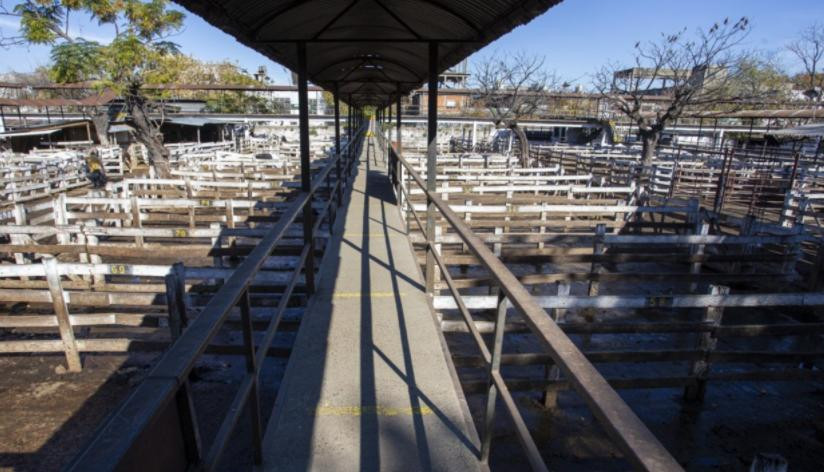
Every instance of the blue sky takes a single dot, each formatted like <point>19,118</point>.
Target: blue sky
<point>576,37</point>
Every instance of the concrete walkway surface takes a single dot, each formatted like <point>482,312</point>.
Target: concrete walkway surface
<point>368,386</point>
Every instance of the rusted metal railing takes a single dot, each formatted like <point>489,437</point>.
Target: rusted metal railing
<point>156,427</point>
<point>631,436</point>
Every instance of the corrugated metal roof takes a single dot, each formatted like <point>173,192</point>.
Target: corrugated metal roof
<point>191,121</point>
<point>372,49</point>
<point>14,134</point>
<point>812,130</point>
<point>92,100</point>
<point>120,128</point>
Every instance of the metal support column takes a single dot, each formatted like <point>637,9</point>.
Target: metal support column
<point>398,122</point>
<point>338,173</point>
<point>349,124</point>
<point>388,128</point>
<point>431,156</point>
<point>305,177</point>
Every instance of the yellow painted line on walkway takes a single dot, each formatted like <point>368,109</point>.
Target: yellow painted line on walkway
<point>379,234</point>
<point>371,294</point>
<point>376,410</point>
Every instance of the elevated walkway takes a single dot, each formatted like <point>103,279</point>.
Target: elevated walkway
<point>368,386</point>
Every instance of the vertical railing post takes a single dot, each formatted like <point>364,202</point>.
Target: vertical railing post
<point>305,178</point>
<point>431,165</point>
<point>176,303</point>
<point>251,369</point>
<point>494,368</point>
<point>175,299</point>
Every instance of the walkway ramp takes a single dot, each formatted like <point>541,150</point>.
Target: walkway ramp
<point>368,386</point>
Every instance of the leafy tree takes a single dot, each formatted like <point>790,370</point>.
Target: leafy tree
<point>135,55</point>
<point>76,61</point>
<point>329,98</point>
<point>188,70</point>
<point>759,78</point>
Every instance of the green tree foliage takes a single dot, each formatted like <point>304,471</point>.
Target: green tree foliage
<point>135,55</point>
<point>180,69</point>
<point>758,80</point>
<point>77,61</point>
<point>329,98</point>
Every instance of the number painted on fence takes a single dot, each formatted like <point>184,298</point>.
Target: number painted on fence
<point>119,269</point>
<point>659,302</point>
<point>205,202</point>
<point>180,233</point>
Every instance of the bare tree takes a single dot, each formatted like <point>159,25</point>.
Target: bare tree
<point>809,48</point>
<point>693,73</point>
<point>513,87</point>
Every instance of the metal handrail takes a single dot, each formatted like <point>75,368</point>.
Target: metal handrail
<point>123,437</point>
<point>632,437</point>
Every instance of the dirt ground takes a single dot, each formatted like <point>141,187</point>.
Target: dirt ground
<point>48,417</point>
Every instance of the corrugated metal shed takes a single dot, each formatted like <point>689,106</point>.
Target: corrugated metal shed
<point>372,49</point>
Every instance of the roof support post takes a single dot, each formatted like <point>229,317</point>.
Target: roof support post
<point>305,177</point>
<point>398,121</point>
<point>388,127</point>
<point>338,173</point>
<point>349,126</point>
<point>431,156</point>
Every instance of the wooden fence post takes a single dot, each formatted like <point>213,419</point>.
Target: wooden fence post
<point>60,217</point>
<point>542,229</point>
<point>598,250</point>
<point>813,282</point>
<point>792,251</point>
<point>136,223</point>
<point>61,311</point>
<point>468,221</point>
<point>20,219</point>
<point>706,343</point>
<point>697,250</point>
<point>553,373</point>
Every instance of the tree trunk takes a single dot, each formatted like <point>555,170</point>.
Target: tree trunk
<point>100,119</point>
<point>649,140</point>
<point>146,132</point>
<point>523,143</point>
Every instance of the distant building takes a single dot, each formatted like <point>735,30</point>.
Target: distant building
<point>455,78</point>
<point>663,80</point>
